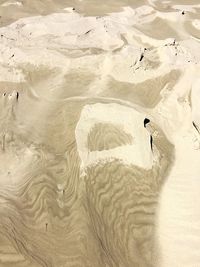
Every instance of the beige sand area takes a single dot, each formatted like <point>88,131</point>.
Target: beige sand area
<point>82,182</point>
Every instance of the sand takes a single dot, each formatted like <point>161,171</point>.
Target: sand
<point>83,180</point>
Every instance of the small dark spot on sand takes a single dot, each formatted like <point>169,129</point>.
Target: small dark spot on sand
<point>146,121</point>
<point>141,57</point>
<point>87,32</point>
<point>195,126</point>
<point>151,142</point>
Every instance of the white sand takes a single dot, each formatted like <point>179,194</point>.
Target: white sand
<point>138,153</point>
<point>71,57</point>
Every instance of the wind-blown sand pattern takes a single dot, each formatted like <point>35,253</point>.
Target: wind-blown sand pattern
<point>85,181</point>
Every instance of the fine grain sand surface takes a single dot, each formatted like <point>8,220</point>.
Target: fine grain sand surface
<point>85,181</point>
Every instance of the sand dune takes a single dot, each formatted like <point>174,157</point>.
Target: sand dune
<point>84,181</point>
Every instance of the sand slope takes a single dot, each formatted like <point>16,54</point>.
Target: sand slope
<point>83,181</point>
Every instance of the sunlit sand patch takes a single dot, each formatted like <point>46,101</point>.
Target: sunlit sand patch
<point>15,3</point>
<point>193,28</point>
<point>130,64</point>
<point>196,24</point>
<point>137,153</point>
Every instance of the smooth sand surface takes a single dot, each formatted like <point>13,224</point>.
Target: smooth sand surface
<point>85,181</point>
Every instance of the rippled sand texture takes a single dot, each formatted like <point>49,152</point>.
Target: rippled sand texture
<point>84,182</point>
